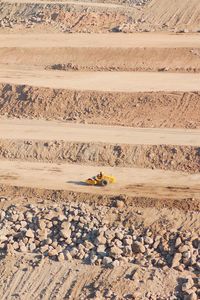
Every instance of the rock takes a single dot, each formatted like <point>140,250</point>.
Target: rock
<point>148,240</point>
<point>183,248</point>
<point>119,235</point>
<point>29,216</point>
<point>128,241</point>
<point>115,251</point>
<point>23,224</point>
<point>44,248</point>
<point>61,257</point>
<point>192,296</point>
<point>176,260</point>
<point>53,252</point>
<point>23,248</point>
<point>119,204</point>
<point>115,264</point>
<point>42,224</point>
<point>65,233</point>
<point>32,246</point>
<point>30,233</point>
<point>138,247</point>
<point>68,256</point>
<point>2,215</point>
<point>88,245</point>
<point>100,240</point>
<point>74,252</point>
<point>178,242</point>
<point>101,249</point>
<point>107,260</point>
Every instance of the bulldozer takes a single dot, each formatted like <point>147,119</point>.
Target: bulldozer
<point>101,179</point>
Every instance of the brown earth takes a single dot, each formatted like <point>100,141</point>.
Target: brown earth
<point>53,17</point>
<point>165,157</point>
<point>146,59</point>
<point>131,52</point>
<point>150,109</point>
<point>130,181</point>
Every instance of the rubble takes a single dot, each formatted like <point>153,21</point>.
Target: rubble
<point>71,232</point>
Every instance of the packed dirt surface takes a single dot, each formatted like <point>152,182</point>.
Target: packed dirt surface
<point>38,130</point>
<point>43,141</point>
<point>155,109</point>
<point>132,182</point>
<point>130,41</point>
<point>158,15</point>
<point>82,52</point>
<point>102,81</point>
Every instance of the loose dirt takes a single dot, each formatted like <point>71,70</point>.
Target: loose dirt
<point>155,109</point>
<point>82,52</point>
<point>157,15</point>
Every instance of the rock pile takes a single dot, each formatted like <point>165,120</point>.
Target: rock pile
<point>73,231</point>
<point>191,288</point>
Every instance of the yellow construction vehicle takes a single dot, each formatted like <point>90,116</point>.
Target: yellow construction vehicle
<point>101,179</point>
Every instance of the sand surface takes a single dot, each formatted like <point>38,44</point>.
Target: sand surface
<point>151,183</point>
<point>104,81</point>
<point>134,40</point>
<point>46,130</point>
<point>92,4</point>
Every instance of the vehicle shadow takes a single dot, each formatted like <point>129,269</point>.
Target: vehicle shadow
<point>78,183</point>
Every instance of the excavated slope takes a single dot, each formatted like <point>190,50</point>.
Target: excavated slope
<point>160,15</point>
<point>142,109</point>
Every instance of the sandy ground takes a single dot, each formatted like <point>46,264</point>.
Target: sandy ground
<point>104,81</point>
<point>151,183</point>
<point>92,4</point>
<point>40,130</point>
<point>135,40</point>
<point>121,52</point>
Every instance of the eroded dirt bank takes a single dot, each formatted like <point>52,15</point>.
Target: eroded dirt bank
<point>105,59</point>
<point>64,17</point>
<point>166,157</point>
<point>142,109</point>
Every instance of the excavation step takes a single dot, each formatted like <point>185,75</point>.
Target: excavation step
<point>52,130</point>
<point>120,40</point>
<point>130,181</point>
<point>102,81</point>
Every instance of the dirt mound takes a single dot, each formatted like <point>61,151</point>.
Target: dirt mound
<point>158,15</point>
<point>153,109</point>
<point>180,158</point>
<point>105,59</point>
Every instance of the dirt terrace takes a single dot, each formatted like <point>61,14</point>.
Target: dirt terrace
<point>82,52</point>
<point>142,109</point>
<point>54,17</point>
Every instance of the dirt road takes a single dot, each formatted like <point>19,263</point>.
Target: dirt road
<point>134,182</point>
<point>49,130</point>
<point>92,4</point>
<point>102,81</point>
<point>120,40</point>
